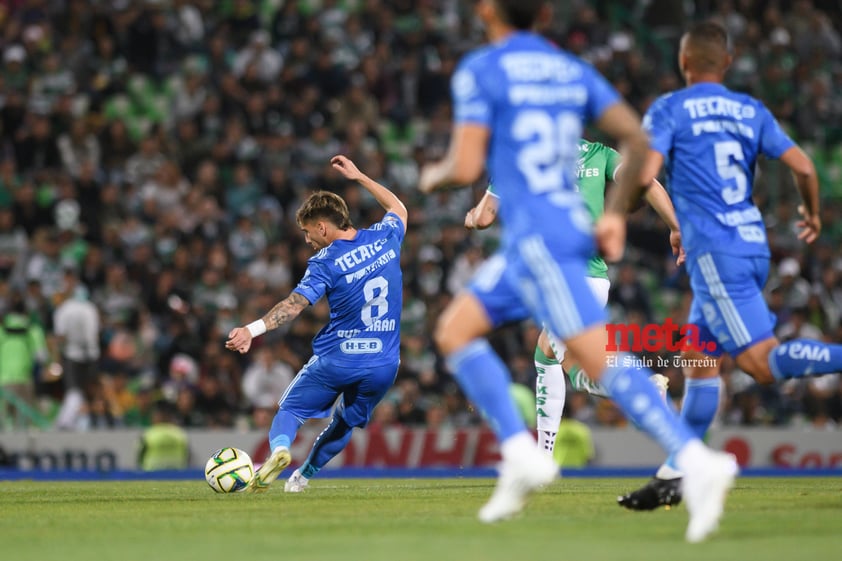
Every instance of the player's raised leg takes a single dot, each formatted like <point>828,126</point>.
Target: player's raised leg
<point>775,361</point>
<point>354,410</point>
<point>310,395</point>
<point>484,379</point>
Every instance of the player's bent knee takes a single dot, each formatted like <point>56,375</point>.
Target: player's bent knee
<point>755,361</point>
<point>344,424</point>
<point>762,374</point>
<point>757,369</point>
<point>544,345</point>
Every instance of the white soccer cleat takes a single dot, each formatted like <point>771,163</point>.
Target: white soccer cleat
<point>518,478</point>
<point>705,487</point>
<point>662,383</point>
<point>296,483</point>
<point>269,471</point>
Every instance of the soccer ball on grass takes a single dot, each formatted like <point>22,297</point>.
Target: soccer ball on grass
<point>229,470</point>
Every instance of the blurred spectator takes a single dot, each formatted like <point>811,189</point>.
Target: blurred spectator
<point>97,414</point>
<point>410,409</point>
<point>78,148</point>
<point>13,242</point>
<point>464,267</point>
<point>35,146</point>
<point>795,290</point>
<point>265,380</point>
<point>524,399</point>
<point>214,403</point>
<point>629,293</point>
<point>573,443</point>
<point>164,445</point>
<point>23,347</point>
<point>258,55</point>
<point>76,341</point>
<point>15,74</point>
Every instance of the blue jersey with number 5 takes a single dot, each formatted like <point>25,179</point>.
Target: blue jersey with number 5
<point>363,283</point>
<point>535,98</point>
<point>710,138</point>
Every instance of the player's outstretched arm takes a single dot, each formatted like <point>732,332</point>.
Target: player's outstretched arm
<point>659,200</point>
<point>808,185</point>
<point>385,198</point>
<point>621,122</point>
<point>283,312</point>
<point>483,215</point>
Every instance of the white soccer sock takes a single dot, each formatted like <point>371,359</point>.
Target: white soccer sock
<point>550,393</point>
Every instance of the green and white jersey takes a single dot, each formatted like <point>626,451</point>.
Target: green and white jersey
<point>597,164</point>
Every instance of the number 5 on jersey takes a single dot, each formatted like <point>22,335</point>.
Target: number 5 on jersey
<point>728,153</point>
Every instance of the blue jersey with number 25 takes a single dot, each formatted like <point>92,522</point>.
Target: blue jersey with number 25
<point>535,98</point>
<point>710,138</point>
<point>363,283</point>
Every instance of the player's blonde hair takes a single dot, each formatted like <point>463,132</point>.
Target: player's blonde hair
<point>324,205</point>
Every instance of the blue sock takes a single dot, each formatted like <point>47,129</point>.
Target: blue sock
<point>285,425</point>
<point>485,381</point>
<point>701,400</point>
<point>329,443</point>
<point>804,357</point>
<point>639,400</point>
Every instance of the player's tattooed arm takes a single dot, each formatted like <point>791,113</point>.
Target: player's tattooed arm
<point>240,338</point>
<point>285,311</point>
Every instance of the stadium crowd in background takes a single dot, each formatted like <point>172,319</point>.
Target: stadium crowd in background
<point>152,155</point>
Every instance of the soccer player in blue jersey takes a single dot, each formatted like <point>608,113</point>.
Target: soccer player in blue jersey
<point>519,105</point>
<point>710,138</point>
<point>597,165</point>
<point>356,354</point>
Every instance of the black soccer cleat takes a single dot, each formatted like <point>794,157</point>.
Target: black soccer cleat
<point>657,492</point>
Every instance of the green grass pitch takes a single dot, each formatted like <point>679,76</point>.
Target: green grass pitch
<point>766,519</point>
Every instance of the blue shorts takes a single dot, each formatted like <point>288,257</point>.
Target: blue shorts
<point>728,305</point>
<point>531,279</point>
<point>314,390</point>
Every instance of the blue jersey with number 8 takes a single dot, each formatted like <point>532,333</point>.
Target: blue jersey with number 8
<point>535,98</point>
<point>710,138</point>
<point>363,283</point>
